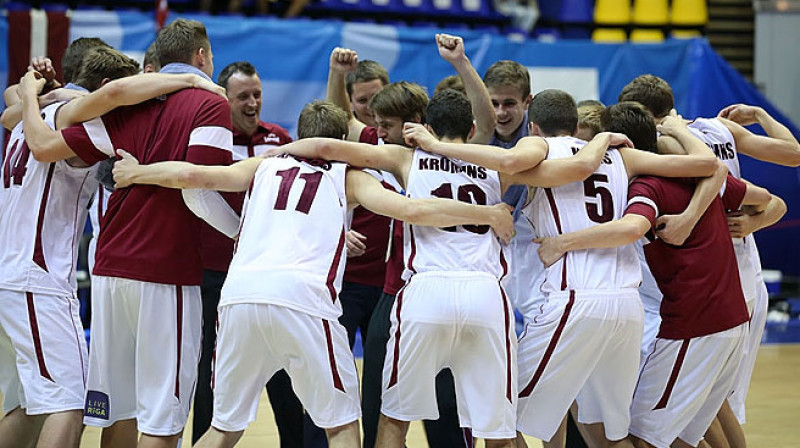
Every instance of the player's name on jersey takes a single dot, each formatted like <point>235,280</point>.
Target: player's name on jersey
<point>444,164</point>
<point>606,157</point>
<point>723,151</point>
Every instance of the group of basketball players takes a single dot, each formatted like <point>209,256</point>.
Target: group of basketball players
<point>621,238</point>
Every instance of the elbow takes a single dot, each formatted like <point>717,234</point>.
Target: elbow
<point>510,164</point>
<point>113,91</point>
<point>5,121</point>
<point>42,152</point>
<point>780,207</point>
<point>710,165</point>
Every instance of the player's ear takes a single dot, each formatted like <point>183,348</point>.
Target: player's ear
<point>471,132</point>
<point>105,81</point>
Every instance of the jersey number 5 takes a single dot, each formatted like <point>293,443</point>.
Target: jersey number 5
<point>469,193</point>
<point>18,155</point>
<point>309,189</point>
<point>602,210</point>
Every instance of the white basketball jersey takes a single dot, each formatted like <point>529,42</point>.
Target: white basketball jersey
<point>458,248</point>
<point>43,210</point>
<point>602,197</point>
<point>290,250</point>
<point>720,140</point>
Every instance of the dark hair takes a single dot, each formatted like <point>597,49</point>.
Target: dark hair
<point>100,63</point>
<point>178,41</point>
<point>633,120</point>
<point>403,100</point>
<point>151,58</point>
<point>242,67</point>
<point>366,71</point>
<point>652,92</point>
<point>73,56</point>
<point>508,73</point>
<point>450,114</point>
<point>322,119</point>
<point>554,112</point>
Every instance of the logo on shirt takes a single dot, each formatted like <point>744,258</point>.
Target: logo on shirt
<point>272,138</point>
<point>97,405</point>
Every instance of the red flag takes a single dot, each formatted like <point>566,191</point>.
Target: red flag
<point>35,33</point>
<point>162,11</point>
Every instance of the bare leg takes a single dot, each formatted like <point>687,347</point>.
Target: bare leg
<point>150,441</point>
<point>17,429</point>
<point>262,7</point>
<point>500,443</point>
<point>295,8</point>
<point>122,434</point>
<point>62,429</point>
<point>214,438</point>
<point>559,440</point>
<point>521,443</point>
<point>678,443</point>
<point>346,436</point>
<point>639,443</point>
<point>391,433</point>
<point>235,6</point>
<point>715,435</point>
<point>730,425</point>
<point>624,443</point>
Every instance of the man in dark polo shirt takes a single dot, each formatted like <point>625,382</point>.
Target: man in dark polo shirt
<point>251,137</point>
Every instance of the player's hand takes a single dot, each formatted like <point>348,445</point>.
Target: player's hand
<point>44,66</point>
<point>125,169</point>
<point>503,221</point>
<point>550,250</point>
<point>741,224</point>
<point>343,60</point>
<point>416,135</point>
<point>355,244</point>
<point>674,229</point>
<point>742,114</point>
<point>617,140</point>
<point>31,84</point>
<point>451,48</point>
<point>672,124</point>
<point>202,83</point>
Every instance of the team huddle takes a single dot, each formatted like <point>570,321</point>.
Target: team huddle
<point>229,257</point>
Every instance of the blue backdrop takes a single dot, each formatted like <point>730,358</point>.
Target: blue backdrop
<point>292,59</point>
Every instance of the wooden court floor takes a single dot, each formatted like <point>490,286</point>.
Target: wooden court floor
<point>773,408</point>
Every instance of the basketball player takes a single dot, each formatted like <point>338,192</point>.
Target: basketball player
<point>693,363</point>
<point>155,275</point>
<point>299,303</point>
<point>726,138</point>
<point>558,345</point>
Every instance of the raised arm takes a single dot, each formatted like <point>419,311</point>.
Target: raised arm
<point>46,145</point>
<point>625,230</point>
<point>365,190</point>
<point>674,229</point>
<point>755,217</point>
<point>343,61</point>
<point>526,154</point>
<point>780,147</point>
<point>184,175</point>
<point>557,172</point>
<point>451,49</point>
<point>127,91</point>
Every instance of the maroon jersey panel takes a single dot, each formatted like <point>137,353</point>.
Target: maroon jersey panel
<point>699,280</point>
<point>216,248</point>
<point>369,135</point>
<point>148,233</point>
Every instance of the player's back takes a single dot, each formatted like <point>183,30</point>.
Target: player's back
<point>720,140</point>
<point>290,250</point>
<point>42,213</point>
<point>579,205</point>
<point>459,248</point>
<point>147,232</point>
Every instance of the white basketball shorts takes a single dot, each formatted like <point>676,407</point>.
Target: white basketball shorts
<point>256,340</point>
<point>682,385</point>
<point>143,354</point>
<point>457,320</point>
<point>585,346</point>
<point>43,357</point>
